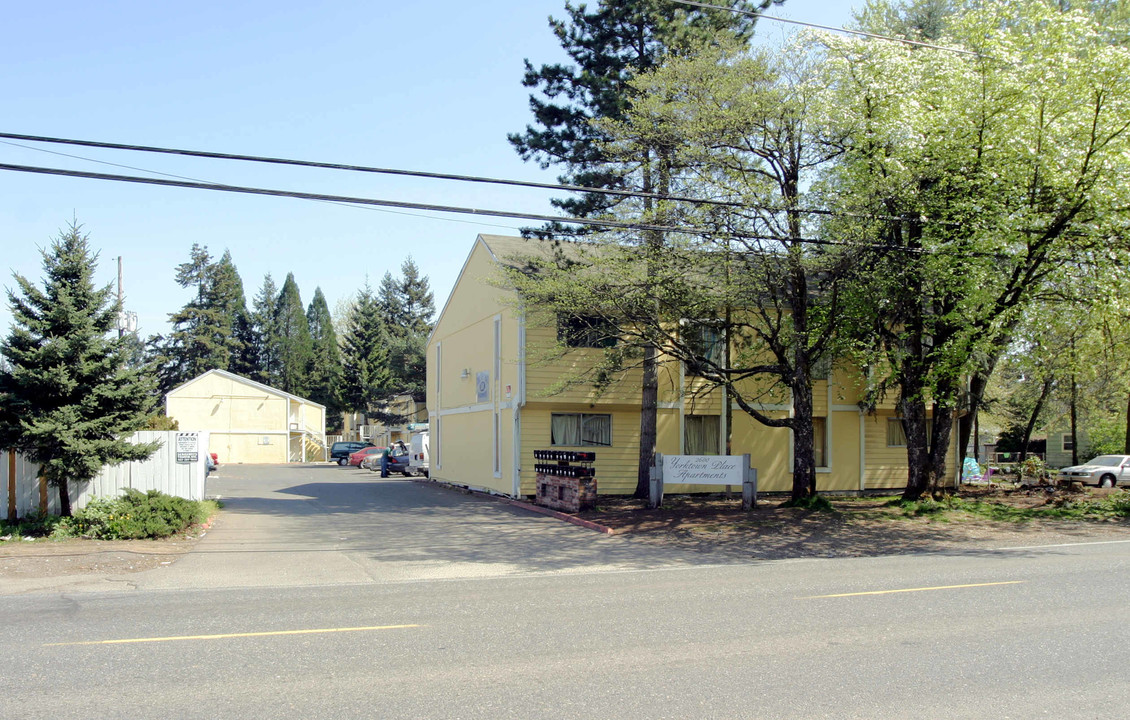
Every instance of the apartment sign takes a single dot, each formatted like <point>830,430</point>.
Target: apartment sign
<point>188,447</point>
<point>704,469</point>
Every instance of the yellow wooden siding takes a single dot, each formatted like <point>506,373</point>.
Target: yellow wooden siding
<point>467,456</point>
<point>249,448</point>
<point>616,466</point>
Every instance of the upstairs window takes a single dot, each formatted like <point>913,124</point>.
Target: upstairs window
<point>704,340</point>
<point>1068,442</point>
<point>581,331</point>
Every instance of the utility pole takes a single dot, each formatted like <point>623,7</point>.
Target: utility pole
<point>127,321</point>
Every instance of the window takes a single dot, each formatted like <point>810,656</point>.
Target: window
<point>577,429</point>
<point>1068,442</point>
<point>704,339</point>
<point>586,331</point>
<point>896,437</point>
<point>820,441</point>
<point>701,434</point>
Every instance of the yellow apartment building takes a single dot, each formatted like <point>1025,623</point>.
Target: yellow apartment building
<point>249,422</point>
<point>490,408</point>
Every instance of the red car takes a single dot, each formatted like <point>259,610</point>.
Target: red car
<point>355,458</point>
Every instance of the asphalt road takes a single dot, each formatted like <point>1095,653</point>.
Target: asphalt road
<point>567,623</point>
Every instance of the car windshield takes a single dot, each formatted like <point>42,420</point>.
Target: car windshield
<point>1107,460</point>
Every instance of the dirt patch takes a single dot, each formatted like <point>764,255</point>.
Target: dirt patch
<point>21,559</point>
<point>856,527</point>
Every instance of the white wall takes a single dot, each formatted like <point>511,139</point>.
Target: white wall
<point>160,471</point>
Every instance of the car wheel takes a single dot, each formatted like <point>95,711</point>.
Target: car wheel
<point>1106,481</point>
<point>407,474</point>
<point>343,461</point>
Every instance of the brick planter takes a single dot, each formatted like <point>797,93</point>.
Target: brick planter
<point>569,494</point>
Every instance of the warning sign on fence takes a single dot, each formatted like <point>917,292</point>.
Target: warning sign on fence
<point>188,447</point>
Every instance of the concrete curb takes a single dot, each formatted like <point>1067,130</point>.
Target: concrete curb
<point>572,519</point>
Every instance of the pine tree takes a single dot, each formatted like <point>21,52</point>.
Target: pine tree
<point>226,293</point>
<point>68,396</point>
<point>212,331</point>
<point>326,375</point>
<point>265,332</point>
<point>296,351</point>
<point>408,335</point>
<point>611,45</point>
<point>364,355</point>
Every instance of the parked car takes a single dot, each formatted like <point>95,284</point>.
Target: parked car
<point>397,463</point>
<point>357,456</point>
<point>340,451</point>
<point>1105,471</point>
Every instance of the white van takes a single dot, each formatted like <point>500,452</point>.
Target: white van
<point>419,454</point>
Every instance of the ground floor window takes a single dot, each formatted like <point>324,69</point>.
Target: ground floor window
<point>820,441</point>
<point>896,436</point>
<point>577,429</point>
<point>701,434</point>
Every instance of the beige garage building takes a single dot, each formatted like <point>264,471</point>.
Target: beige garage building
<point>250,422</point>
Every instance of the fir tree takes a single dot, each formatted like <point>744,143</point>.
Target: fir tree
<point>408,336</point>
<point>611,45</point>
<point>68,396</point>
<point>364,355</point>
<point>296,352</point>
<point>265,332</point>
<point>226,293</point>
<point>325,370</point>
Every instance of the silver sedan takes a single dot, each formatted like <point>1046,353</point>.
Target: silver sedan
<point>1105,471</point>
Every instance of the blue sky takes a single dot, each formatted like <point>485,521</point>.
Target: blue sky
<point>431,86</point>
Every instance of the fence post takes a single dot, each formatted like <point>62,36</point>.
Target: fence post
<point>655,487</point>
<point>749,484</point>
<point>12,485</point>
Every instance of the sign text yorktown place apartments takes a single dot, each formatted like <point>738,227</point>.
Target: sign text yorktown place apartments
<point>704,469</point>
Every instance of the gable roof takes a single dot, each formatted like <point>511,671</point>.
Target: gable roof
<point>246,381</point>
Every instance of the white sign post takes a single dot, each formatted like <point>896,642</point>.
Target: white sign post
<point>704,470</point>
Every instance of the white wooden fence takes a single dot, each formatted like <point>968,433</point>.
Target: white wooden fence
<point>21,492</point>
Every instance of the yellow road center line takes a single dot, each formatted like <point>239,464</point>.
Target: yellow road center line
<point>234,635</point>
<point>910,590</point>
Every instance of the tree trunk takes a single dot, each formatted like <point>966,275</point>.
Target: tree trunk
<point>649,407</point>
<point>917,456</point>
<point>1044,392</point>
<point>804,458</point>
<point>939,445</point>
<point>64,498</point>
<point>1074,420</point>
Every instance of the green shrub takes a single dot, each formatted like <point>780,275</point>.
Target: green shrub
<point>37,524</point>
<point>135,515</point>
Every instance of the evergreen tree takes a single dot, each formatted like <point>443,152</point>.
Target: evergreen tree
<point>389,304</point>
<point>265,332</point>
<point>202,334</point>
<point>296,351</point>
<point>416,300</point>
<point>611,45</point>
<point>326,375</point>
<point>408,335</point>
<point>226,293</point>
<point>68,396</point>
<point>364,355</point>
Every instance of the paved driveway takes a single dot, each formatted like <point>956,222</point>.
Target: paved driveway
<point>286,525</point>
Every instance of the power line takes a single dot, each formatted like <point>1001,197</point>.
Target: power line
<point>362,168</point>
<point>611,224</point>
<point>432,175</point>
<point>185,177</point>
<point>824,27</point>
